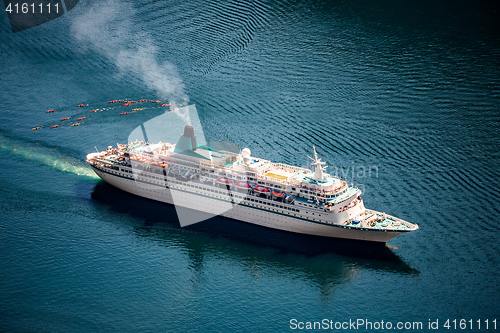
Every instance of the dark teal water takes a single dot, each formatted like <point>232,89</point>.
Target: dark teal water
<point>407,90</point>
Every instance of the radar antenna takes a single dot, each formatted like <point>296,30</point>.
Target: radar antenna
<point>318,168</point>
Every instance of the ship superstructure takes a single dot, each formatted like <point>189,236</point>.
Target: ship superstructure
<point>246,188</point>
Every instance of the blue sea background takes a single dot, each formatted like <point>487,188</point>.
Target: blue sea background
<point>409,90</point>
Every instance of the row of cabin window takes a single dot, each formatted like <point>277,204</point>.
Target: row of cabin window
<point>250,199</point>
<point>220,192</point>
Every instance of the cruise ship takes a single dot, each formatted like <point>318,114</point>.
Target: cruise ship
<point>240,186</point>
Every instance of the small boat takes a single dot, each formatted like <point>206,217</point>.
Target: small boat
<point>124,113</point>
<point>75,124</point>
<point>65,118</point>
<point>55,126</point>
<point>113,101</point>
<point>50,111</point>
<point>95,110</point>
<point>138,109</point>
<point>142,100</point>
<point>226,181</point>
<point>243,185</point>
<point>262,189</point>
<point>165,105</point>
<point>81,118</point>
<point>155,101</point>
<point>126,104</point>
<point>278,194</point>
<point>82,105</point>
<point>35,128</point>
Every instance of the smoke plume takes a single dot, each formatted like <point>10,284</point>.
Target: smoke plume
<point>107,28</point>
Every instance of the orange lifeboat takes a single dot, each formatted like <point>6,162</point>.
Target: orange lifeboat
<point>65,118</point>
<point>278,194</point>
<point>81,118</point>
<point>124,113</point>
<point>82,105</point>
<point>245,186</point>
<point>50,111</point>
<point>262,189</point>
<point>55,126</point>
<point>224,181</point>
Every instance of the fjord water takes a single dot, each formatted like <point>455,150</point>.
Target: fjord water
<point>400,98</point>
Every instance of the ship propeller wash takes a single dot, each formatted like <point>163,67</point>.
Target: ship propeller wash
<point>246,188</point>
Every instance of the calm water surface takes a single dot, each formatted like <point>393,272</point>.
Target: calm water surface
<point>407,91</point>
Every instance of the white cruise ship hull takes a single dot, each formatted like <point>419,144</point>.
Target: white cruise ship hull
<point>248,213</point>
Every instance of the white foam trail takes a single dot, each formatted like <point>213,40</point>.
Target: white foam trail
<point>47,157</point>
<point>107,27</point>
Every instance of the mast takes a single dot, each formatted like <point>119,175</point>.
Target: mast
<point>318,167</point>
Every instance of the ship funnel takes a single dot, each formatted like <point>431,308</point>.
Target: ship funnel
<point>187,141</point>
<point>189,133</point>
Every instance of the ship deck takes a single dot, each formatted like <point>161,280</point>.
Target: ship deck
<point>380,221</point>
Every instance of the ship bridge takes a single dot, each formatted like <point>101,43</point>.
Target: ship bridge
<point>326,185</point>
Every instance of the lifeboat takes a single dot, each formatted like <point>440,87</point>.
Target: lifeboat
<point>245,186</point>
<point>50,111</point>
<point>113,101</point>
<point>55,126</point>
<point>95,110</point>
<point>278,194</point>
<point>65,118</point>
<point>155,101</point>
<point>142,100</point>
<point>165,105</point>
<point>138,109</point>
<point>126,104</point>
<point>81,105</point>
<point>81,118</point>
<point>75,124</point>
<point>224,181</point>
<point>124,113</point>
<point>35,128</point>
<point>262,189</point>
